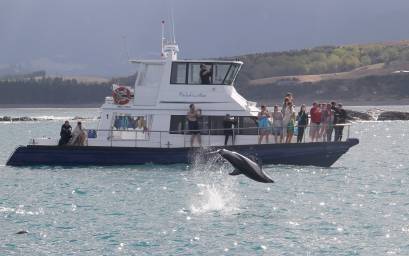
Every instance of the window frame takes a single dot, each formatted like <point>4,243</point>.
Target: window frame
<point>119,132</point>
<point>233,67</point>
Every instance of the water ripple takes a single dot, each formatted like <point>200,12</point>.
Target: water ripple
<point>357,207</point>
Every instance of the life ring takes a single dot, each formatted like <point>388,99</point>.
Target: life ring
<point>121,95</point>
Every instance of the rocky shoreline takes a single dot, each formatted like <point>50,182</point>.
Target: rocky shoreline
<point>377,115</point>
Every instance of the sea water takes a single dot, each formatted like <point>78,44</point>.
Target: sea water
<point>359,206</point>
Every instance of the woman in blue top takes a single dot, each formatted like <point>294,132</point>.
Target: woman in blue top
<point>263,124</point>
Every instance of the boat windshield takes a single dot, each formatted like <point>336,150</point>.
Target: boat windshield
<point>195,73</point>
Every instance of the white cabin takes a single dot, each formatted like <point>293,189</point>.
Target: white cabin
<point>153,112</point>
<point>156,114</point>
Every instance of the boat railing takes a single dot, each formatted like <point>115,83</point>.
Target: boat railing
<point>215,137</point>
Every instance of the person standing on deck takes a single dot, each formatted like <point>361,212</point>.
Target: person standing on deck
<point>205,74</point>
<point>325,119</point>
<point>287,112</point>
<point>288,98</point>
<point>193,124</point>
<point>315,114</point>
<point>228,123</point>
<point>330,122</point>
<point>78,136</point>
<point>65,134</point>
<point>263,124</point>
<point>340,119</point>
<point>302,122</point>
<point>332,126</point>
<point>277,124</point>
<point>290,128</point>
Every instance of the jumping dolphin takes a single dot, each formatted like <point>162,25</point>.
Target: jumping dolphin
<point>245,166</point>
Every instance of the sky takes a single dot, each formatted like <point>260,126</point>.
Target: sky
<point>95,37</point>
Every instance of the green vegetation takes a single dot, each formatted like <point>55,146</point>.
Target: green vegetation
<point>374,90</point>
<point>320,60</point>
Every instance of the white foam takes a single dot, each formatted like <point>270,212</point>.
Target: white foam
<point>215,188</point>
<point>212,201</point>
<point>7,209</point>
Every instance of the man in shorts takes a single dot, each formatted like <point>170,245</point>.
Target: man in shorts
<point>193,124</point>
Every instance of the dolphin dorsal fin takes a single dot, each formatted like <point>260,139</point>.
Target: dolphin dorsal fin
<point>235,172</point>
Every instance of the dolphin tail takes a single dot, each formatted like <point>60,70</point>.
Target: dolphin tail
<point>235,172</point>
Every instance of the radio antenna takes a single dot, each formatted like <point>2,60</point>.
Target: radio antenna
<point>172,17</point>
<point>162,53</point>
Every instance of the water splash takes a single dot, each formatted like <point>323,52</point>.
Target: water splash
<point>215,189</point>
<point>213,198</point>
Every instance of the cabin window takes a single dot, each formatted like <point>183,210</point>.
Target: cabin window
<point>127,127</point>
<point>194,73</point>
<point>178,74</point>
<point>178,124</point>
<point>220,72</point>
<point>247,125</point>
<point>197,73</point>
<point>148,75</point>
<point>231,74</point>
<point>213,125</point>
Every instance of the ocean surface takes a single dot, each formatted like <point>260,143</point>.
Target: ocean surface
<point>359,206</point>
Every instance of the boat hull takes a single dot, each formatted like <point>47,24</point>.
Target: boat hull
<point>317,154</point>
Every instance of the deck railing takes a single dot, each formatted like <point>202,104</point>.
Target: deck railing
<point>215,137</point>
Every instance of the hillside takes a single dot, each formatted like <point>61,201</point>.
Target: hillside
<point>391,89</point>
<point>354,74</point>
<point>322,60</point>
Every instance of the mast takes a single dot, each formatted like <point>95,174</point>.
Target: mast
<point>162,53</point>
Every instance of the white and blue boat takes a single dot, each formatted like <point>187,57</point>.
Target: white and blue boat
<point>146,123</point>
